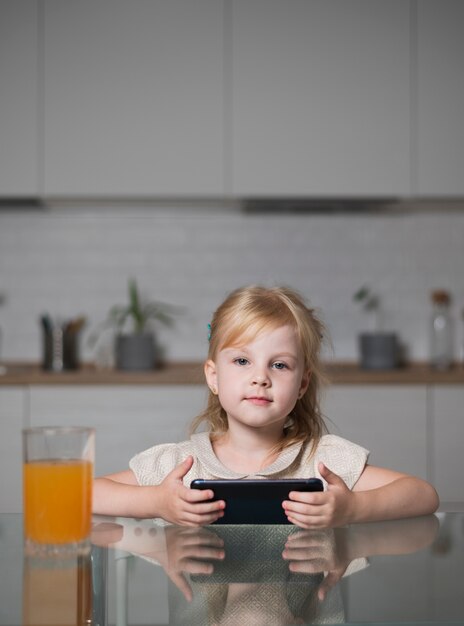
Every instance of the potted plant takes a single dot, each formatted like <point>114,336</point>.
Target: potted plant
<point>133,323</point>
<point>377,349</point>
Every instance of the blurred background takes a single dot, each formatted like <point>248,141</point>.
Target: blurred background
<point>70,262</point>
<point>197,146</point>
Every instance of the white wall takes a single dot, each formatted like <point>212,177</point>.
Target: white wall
<point>67,261</point>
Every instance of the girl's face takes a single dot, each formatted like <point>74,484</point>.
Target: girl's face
<point>258,383</point>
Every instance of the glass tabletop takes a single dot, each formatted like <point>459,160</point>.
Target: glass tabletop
<point>138,572</point>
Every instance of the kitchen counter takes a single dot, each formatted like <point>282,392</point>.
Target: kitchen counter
<point>191,373</point>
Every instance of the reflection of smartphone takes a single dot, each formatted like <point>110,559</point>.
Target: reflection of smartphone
<point>255,501</point>
<point>253,554</point>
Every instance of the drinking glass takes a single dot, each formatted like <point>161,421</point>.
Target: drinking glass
<point>57,489</point>
<point>57,590</point>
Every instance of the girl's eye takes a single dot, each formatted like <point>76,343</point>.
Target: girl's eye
<point>280,366</point>
<point>241,361</point>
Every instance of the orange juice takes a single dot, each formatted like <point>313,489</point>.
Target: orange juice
<point>57,500</point>
<point>57,591</point>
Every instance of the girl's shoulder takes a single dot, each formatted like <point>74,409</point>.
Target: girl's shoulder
<point>161,450</point>
<point>341,456</point>
<point>152,465</point>
<point>339,450</point>
<point>337,443</point>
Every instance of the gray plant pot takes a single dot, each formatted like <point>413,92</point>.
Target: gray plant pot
<point>378,351</point>
<point>135,352</point>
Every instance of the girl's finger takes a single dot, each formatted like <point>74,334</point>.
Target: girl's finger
<point>204,554</point>
<point>309,540</point>
<point>196,495</point>
<point>207,507</point>
<point>308,497</point>
<point>194,519</point>
<point>329,581</point>
<point>304,521</point>
<point>307,567</point>
<point>302,554</point>
<point>181,583</point>
<point>197,567</point>
<point>201,538</point>
<point>302,508</point>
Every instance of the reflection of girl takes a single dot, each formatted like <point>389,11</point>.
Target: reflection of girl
<point>253,584</point>
<point>258,604</point>
<point>273,574</point>
<point>264,421</point>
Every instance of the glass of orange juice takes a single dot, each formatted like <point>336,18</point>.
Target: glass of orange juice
<point>57,489</point>
<point>57,590</point>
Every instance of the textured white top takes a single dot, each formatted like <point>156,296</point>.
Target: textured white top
<point>343,457</point>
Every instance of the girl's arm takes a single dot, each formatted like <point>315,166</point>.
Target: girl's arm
<point>379,494</point>
<point>120,494</point>
<point>382,494</point>
<point>309,551</point>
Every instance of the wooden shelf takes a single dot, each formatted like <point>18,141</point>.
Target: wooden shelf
<point>411,374</point>
<point>191,373</point>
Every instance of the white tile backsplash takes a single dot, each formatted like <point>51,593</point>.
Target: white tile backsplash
<point>67,261</point>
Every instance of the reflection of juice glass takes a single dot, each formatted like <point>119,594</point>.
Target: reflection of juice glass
<point>57,591</point>
<point>57,488</point>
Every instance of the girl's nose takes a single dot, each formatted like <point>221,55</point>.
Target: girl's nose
<point>261,379</point>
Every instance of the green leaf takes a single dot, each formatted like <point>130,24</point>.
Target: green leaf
<point>361,294</point>
<point>139,312</point>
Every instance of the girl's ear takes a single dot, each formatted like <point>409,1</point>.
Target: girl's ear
<point>211,375</point>
<point>304,383</point>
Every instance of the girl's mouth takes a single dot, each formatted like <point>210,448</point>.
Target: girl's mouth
<point>258,400</point>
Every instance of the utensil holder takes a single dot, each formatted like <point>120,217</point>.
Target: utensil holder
<point>60,349</point>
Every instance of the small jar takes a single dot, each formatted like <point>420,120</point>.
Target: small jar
<point>441,331</point>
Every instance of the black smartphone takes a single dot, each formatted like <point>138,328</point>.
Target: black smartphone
<point>255,501</point>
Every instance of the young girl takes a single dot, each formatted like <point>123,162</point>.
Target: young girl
<point>263,421</point>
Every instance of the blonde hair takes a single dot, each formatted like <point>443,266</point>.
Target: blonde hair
<point>245,313</point>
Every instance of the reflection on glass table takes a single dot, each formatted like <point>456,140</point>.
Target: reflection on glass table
<point>403,572</point>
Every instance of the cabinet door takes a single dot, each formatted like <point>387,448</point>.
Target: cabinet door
<point>11,570</point>
<point>133,97</point>
<point>320,102</point>
<point>18,98</point>
<point>390,421</point>
<point>447,414</point>
<point>127,419</point>
<point>440,98</point>
<point>12,420</point>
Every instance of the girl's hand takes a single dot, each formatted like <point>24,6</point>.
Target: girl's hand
<point>190,551</point>
<point>316,551</point>
<point>181,505</point>
<point>106,533</point>
<point>324,509</point>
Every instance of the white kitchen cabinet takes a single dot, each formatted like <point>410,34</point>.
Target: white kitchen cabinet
<point>320,97</point>
<point>447,428</point>
<point>388,420</point>
<point>133,98</point>
<point>127,419</point>
<point>19,156</point>
<point>13,417</point>
<point>439,114</point>
<point>11,586</point>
